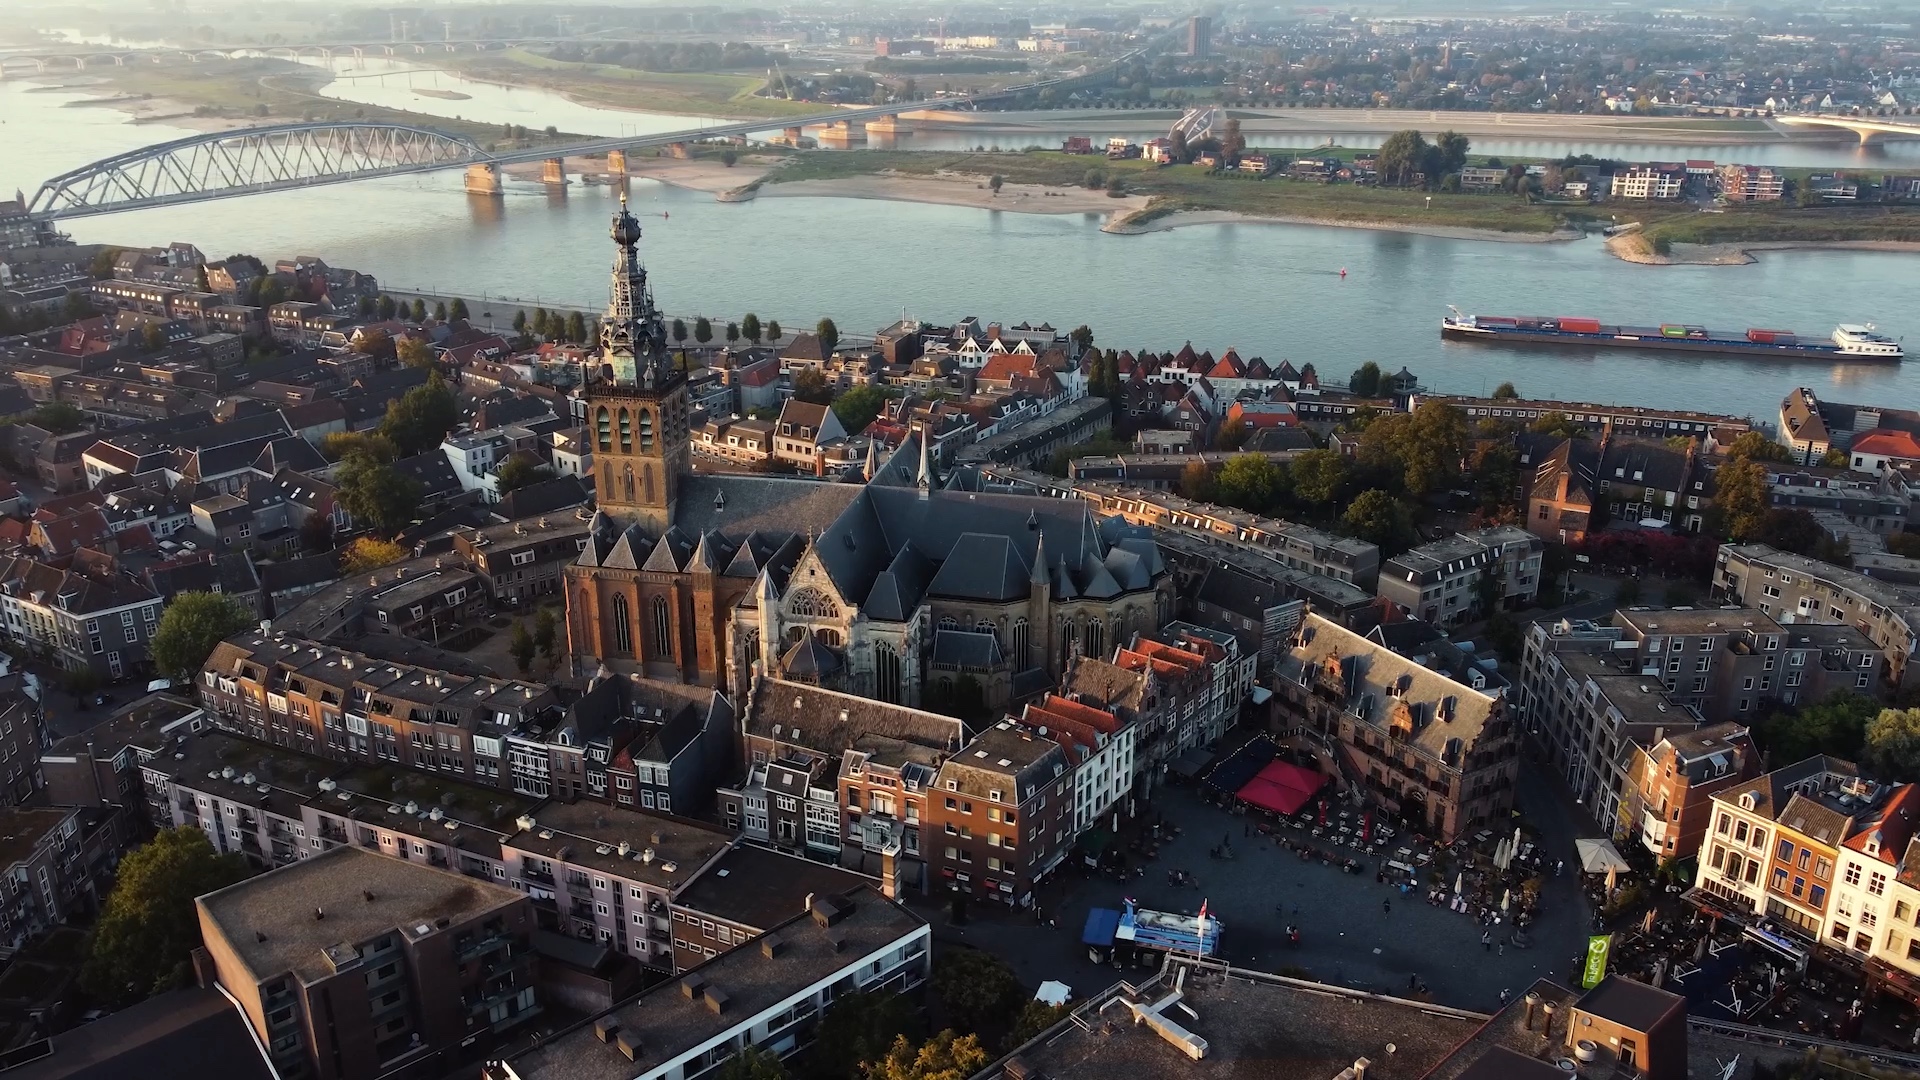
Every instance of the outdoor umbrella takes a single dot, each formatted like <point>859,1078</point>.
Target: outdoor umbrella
<point>1506,899</point>
<point>1459,883</point>
<point>1611,872</point>
<point>1646,924</point>
<point>1366,827</point>
<point>1513,852</point>
<point>1500,854</point>
<point>1323,813</point>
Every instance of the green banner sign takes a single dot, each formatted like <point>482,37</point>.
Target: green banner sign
<point>1597,947</point>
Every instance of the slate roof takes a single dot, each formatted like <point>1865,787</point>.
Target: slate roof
<point>965,649</point>
<point>1377,680</point>
<point>432,471</point>
<point>832,722</point>
<point>543,497</point>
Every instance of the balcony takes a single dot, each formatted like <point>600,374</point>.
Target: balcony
<point>1653,830</point>
<point>482,945</point>
<point>530,873</point>
<point>580,887</point>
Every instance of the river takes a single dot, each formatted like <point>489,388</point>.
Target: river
<point>1269,290</point>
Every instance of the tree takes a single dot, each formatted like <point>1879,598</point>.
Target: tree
<point>1094,180</point>
<point>387,308</point>
<point>577,328</point>
<point>828,333</point>
<point>1379,518</point>
<point>1401,155</point>
<point>728,158</point>
<point>518,471</point>
<point>1437,438</point>
<point>1196,482</point>
<point>752,1062</point>
<point>193,624</point>
<point>856,1030</point>
<point>152,338</point>
<point>144,940</point>
<point>1231,436</point>
<point>1082,337</point>
<point>1248,481</point>
<point>440,311</point>
<point>421,417</point>
<point>1496,477</point>
<point>458,309</point>
<point>733,333</point>
<point>679,332</point>
<point>367,553</point>
<point>857,407</point>
<point>1505,392</point>
<point>1837,725</point>
<point>316,533</point>
<point>1742,498</point>
<point>1452,147</point>
<point>1365,382</point>
<point>58,417</point>
<point>1627,593</point>
<point>1035,1018</point>
<point>520,322</point>
<point>1753,446</point>
<point>750,328</point>
<point>1319,476</point>
<point>419,310</point>
<point>811,386</point>
<point>1893,745</point>
<point>339,444</point>
<point>546,634</point>
<point>773,330</point>
<point>995,182</point>
<point>522,648</point>
<point>413,351</point>
<point>378,496</point>
<point>946,1056</point>
<point>702,330</point>
<point>1904,544</point>
<point>1232,142</point>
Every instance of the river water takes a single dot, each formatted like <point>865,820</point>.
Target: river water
<point>1269,290</point>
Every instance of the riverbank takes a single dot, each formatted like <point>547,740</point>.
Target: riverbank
<point>717,94</point>
<point>1636,249</point>
<point>1138,223</point>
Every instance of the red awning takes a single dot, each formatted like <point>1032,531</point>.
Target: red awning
<point>1282,787</point>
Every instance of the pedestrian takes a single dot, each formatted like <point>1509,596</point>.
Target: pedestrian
<point>1560,868</point>
<point>1503,949</point>
<point>1413,981</point>
<point>1505,996</point>
<point>1486,940</point>
<point>1386,907</point>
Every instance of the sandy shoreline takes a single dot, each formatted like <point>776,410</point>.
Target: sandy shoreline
<point>1184,218</point>
<point>1740,254</point>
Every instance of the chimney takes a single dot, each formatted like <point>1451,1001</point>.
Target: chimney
<point>1546,1022</point>
<point>1360,1066</point>
<point>717,1001</point>
<point>890,873</point>
<point>606,1028</point>
<point>629,1045</point>
<point>772,945</point>
<point>1532,1001</point>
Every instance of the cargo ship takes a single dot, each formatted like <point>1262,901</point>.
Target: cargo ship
<point>1849,341</point>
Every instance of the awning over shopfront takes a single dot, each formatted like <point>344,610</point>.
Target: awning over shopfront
<point>1282,787</point>
<point>1190,764</point>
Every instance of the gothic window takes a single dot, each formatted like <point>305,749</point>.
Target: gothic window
<point>886,673</point>
<point>606,481</point>
<point>1020,632</point>
<point>829,637</point>
<point>796,634</point>
<point>605,424</point>
<point>626,432</point>
<point>1069,641</point>
<point>646,482</point>
<point>662,628</point>
<point>948,622</point>
<point>985,627</point>
<point>646,431</point>
<point>622,625</point>
<point>627,482</point>
<point>1160,609</point>
<point>1096,638</point>
<point>812,604</point>
<point>750,645</point>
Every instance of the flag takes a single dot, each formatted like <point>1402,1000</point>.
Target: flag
<point>1596,969</point>
<point>1203,911</point>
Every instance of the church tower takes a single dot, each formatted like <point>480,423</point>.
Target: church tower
<point>637,402</point>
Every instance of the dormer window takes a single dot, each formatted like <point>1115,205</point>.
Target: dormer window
<point>1748,801</point>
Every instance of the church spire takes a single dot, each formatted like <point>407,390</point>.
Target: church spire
<point>633,339</point>
<point>924,481</point>
<point>873,459</point>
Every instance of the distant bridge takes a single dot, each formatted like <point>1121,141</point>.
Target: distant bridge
<point>1870,128</point>
<point>284,157</point>
<point>1195,124</point>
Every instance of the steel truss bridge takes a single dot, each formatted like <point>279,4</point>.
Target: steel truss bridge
<point>286,157</point>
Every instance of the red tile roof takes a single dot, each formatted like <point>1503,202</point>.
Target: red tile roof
<point>1887,443</point>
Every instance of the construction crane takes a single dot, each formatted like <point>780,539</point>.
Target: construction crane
<point>785,90</point>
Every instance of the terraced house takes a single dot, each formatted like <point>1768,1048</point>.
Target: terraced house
<point>99,622</point>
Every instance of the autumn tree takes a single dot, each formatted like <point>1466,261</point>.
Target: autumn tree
<point>946,1056</point>
<point>339,444</point>
<point>368,553</point>
<point>1893,745</point>
<point>194,623</point>
<point>413,351</point>
<point>522,648</point>
<point>1196,481</point>
<point>144,940</point>
<point>857,1030</point>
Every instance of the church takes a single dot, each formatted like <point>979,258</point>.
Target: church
<point>889,584</point>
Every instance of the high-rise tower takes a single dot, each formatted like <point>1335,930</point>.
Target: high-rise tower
<point>637,404</point>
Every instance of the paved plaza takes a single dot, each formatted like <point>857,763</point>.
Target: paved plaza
<point>1347,936</point>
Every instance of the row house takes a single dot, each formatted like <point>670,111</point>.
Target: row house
<point>1437,751</point>
<point>344,705</point>
<point>1183,680</point>
<point>1879,504</point>
<point>520,561</point>
<point>1673,781</point>
<point>1796,590</point>
<point>630,742</point>
<point>1623,419</point>
<point>1872,917</point>
<point>99,623</point>
<point>1468,575</point>
<point>1234,667</point>
<point>424,606</point>
<point>1003,815</point>
<point>1760,859</point>
<point>1810,426</point>
<point>1132,696</point>
<point>887,785</point>
<point>742,442</point>
<point>1099,748</point>
<point>745,893</point>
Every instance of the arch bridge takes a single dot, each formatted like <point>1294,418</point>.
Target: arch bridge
<point>1871,129</point>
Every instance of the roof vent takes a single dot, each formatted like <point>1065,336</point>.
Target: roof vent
<point>692,985</point>
<point>629,1045</point>
<point>772,945</point>
<point>717,1000</point>
<point>606,1028</point>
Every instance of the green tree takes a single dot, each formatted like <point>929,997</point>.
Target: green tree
<point>144,941</point>
<point>1365,382</point>
<point>679,331</point>
<point>750,328</point>
<point>1378,518</point>
<point>152,338</point>
<point>1082,337</point>
<point>856,1030</point>
<point>546,634</point>
<point>752,1062</point>
<point>387,308</point>
<point>1196,482</point>
<point>773,330</point>
<point>542,323</point>
<point>1231,436</point>
<point>1893,745</point>
<point>1496,477</point>
<point>857,407</point>
<point>828,333</point>
<point>811,386</point>
<point>1400,156</point>
<point>421,417</point>
<point>1836,724</point>
<point>193,624</point>
<point>577,328</point>
<point>368,553</point>
<point>522,648</point>
<point>702,330</point>
<point>419,310</point>
<point>946,1056</point>
<point>1425,446</point>
<point>378,496</point>
<point>458,309</point>
<point>1556,423</point>
<point>1904,544</point>
<point>1505,392</point>
<point>1232,142</point>
<point>996,182</point>
<point>413,351</point>
<point>1248,481</point>
<point>520,322</point>
<point>316,533</point>
<point>440,311</point>
<point>58,417</point>
<point>1453,148</point>
<point>977,990</point>
<point>1319,476</point>
<point>733,333</point>
<point>339,444</point>
<point>518,471</point>
<point>728,158</point>
<point>1742,498</point>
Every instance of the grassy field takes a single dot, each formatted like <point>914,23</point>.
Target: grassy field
<point>693,93</point>
<point>1788,223</point>
<point>241,89</point>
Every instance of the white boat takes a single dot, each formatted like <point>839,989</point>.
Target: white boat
<point>1862,339</point>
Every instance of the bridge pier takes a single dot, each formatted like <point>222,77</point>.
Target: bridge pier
<point>680,150</point>
<point>793,135</point>
<point>842,131</point>
<point>885,125</point>
<point>617,163</point>
<point>553,172</point>
<point>484,179</point>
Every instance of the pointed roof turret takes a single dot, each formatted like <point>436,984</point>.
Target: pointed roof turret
<point>924,480</point>
<point>873,459</point>
<point>1037,577</point>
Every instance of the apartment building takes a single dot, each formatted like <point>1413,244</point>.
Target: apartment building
<point>744,893</point>
<point>887,784</point>
<point>1002,820</point>
<point>1437,750</point>
<point>1751,183</point>
<point>1623,419</point>
<point>770,996</point>
<point>522,560</point>
<point>804,431</point>
<point>1811,427</point>
<point>1868,912</point>
<point>1465,576</point>
<point>99,622</point>
<point>1724,663</point>
<point>1669,801</point>
<point>101,766</point>
<point>349,965</point>
<point>1797,590</point>
<point>1648,182</point>
<point>1773,842</point>
<point>1099,747</point>
<point>343,705</point>
<point>55,863</point>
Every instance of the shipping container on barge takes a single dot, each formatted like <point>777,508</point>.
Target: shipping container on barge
<point>1849,341</point>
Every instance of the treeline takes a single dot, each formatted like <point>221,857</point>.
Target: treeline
<point>958,65</point>
<point>680,56</point>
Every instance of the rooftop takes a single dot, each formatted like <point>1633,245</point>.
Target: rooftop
<point>660,850</point>
<point>1682,620</point>
<point>22,828</point>
<point>757,887</point>
<point>668,1020</point>
<point>274,922</point>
